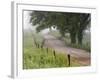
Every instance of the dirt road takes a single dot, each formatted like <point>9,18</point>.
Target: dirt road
<point>58,45</point>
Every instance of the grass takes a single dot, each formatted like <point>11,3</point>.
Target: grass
<point>41,59</point>
<point>35,58</point>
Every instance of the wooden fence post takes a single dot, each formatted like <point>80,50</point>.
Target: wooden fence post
<point>68,59</point>
<point>54,53</point>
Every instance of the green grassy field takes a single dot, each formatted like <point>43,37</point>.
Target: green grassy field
<point>34,58</point>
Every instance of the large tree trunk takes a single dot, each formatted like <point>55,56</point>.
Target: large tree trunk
<point>80,37</point>
<point>73,37</point>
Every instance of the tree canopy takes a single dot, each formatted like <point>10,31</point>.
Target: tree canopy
<point>65,22</point>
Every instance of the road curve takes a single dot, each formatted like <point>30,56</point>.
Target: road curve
<point>82,56</point>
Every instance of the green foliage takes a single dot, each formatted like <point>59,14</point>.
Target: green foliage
<point>73,23</point>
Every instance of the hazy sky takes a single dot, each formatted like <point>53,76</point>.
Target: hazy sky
<point>27,24</point>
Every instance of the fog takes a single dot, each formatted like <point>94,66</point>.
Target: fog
<point>28,25</point>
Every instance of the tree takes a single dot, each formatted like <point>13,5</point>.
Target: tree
<point>73,23</point>
<point>47,20</point>
<point>84,20</point>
